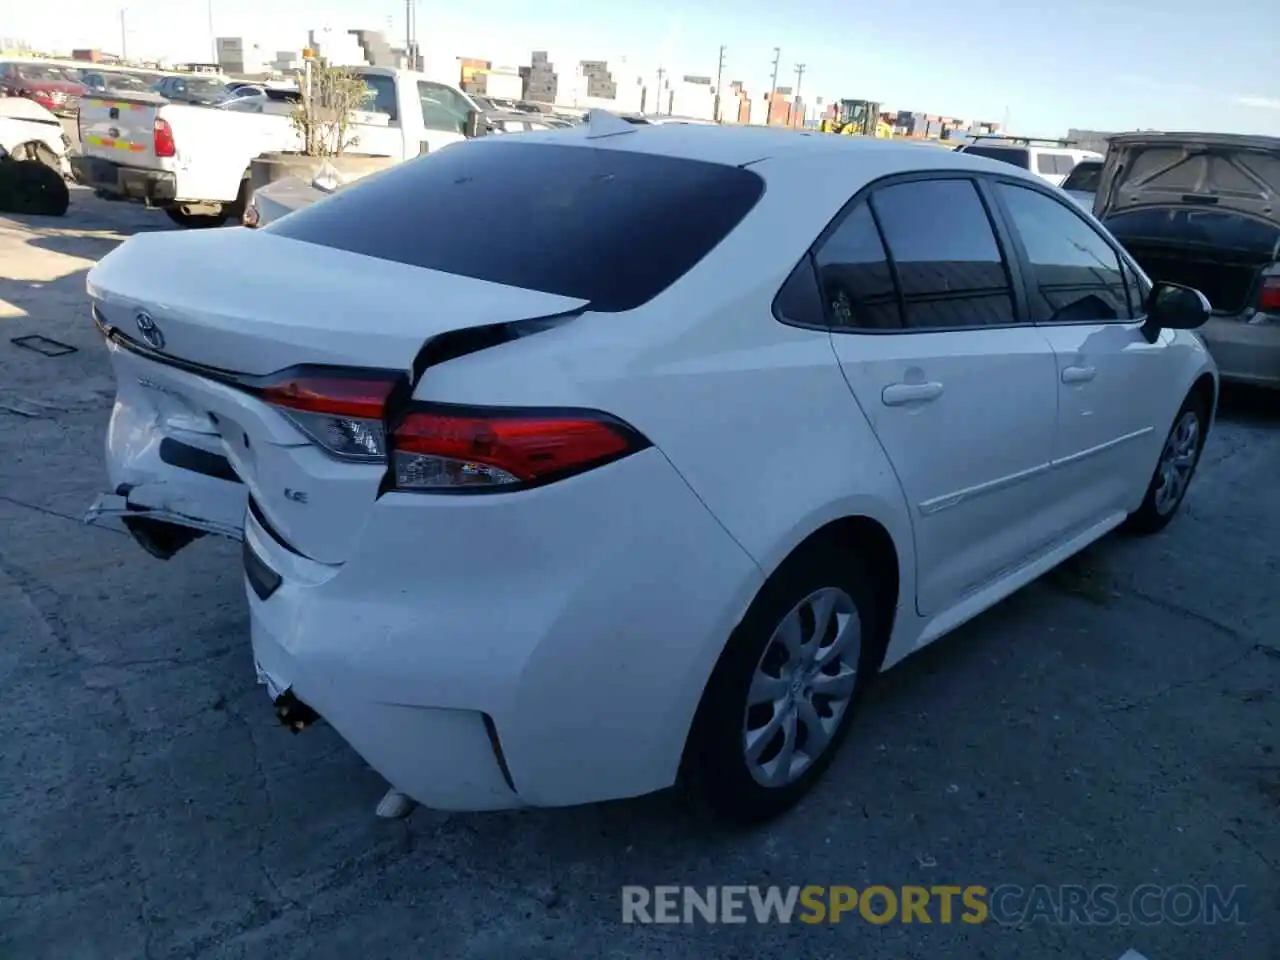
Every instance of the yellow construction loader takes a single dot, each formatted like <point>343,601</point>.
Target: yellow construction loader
<point>857,118</point>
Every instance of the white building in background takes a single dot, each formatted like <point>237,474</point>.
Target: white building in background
<point>691,96</point>
<point>239,55</point>
<point>339,47</point>
<point>504,83</point>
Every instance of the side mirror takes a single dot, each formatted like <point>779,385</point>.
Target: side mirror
<point>1174,306</point>
<point>475,125</point>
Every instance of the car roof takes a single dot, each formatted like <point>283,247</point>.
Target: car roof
<point>783,149</point>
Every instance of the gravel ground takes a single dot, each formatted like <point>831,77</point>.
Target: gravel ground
<point>1115,723</point>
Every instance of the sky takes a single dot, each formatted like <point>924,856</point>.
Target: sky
<point>1092,64</point>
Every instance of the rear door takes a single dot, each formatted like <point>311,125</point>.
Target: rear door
<point>961,393</point>
<point>1111,381</point>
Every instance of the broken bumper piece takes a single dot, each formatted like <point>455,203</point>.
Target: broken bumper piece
<point>160,531</point>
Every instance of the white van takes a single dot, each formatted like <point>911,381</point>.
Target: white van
<point>1051,160</point>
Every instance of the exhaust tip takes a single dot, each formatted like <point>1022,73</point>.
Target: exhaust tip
<point>293,713</point>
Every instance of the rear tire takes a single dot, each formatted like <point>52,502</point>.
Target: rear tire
<point>748,762</point>
<point>196,221</point>
<point>1175,470</point>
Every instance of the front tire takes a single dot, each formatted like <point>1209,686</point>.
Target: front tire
<point>1178,461</point>
<point>780,700</point>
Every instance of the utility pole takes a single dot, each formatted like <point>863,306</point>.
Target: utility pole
<point>657,100</point>
<point>408,33</point>
<point>773,84</point>
<point>213,41</point>
<point>124,38</point>
<point>795,108</point>
<point>719,78</point>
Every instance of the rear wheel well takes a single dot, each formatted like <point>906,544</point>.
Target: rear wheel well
<point>874,546</point>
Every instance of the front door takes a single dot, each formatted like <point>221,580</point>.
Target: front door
<point>962,396</point>
<point>1111,381</point>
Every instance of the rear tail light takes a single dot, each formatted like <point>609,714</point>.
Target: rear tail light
<point>343,411</point>
<point>1269,297</point>
<point>162,139</point>
<point>443,448</point>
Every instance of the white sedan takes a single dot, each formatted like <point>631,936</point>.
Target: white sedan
<point>575,465</point>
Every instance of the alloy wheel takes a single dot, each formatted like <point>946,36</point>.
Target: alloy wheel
<point>802,686</point>
<point>1177,463</point>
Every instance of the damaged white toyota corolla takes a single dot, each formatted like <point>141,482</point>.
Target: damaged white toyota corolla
<point>574,465</point>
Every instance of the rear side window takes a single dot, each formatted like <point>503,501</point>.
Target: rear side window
<point>948,264</point>
<point>613,227</point>
<point>1075,273</point>
<point>1012,155</point>
<point>854,275</point>
<point>1046,163</point>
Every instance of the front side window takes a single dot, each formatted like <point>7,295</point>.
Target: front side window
<point>949,266</point>
<point>1075,274</point>
<point>443,108</point>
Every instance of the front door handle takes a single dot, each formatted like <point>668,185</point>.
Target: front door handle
<point>1078,374</point>
<point>899,394</point>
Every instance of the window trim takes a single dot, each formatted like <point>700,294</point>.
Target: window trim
<point>1008,254</point>
<point>1024,259</point>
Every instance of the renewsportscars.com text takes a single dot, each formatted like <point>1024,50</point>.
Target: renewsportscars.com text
<point>1007,904</point>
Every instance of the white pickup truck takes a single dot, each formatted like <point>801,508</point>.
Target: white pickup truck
<point>193,161</point>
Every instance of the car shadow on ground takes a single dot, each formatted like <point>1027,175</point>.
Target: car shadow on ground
<point>1255,406</point>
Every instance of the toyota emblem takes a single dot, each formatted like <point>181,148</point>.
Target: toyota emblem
<point>149,330</point>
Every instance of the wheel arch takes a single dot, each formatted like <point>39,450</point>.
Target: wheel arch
<point>886,561</point>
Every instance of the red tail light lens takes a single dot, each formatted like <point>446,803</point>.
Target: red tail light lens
<point>162,139</point>
<point>1269,298</point>
<point>345,414</point>
<point>443,448</point>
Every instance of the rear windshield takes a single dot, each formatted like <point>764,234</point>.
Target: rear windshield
<point>613,227</point>
<point>1019,158</point>
<point>1202,228</point>
<point>1086,176</point>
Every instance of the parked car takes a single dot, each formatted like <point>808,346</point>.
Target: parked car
<point>28,131</point>
<point>647,490</point>
<point>1081,184</point>
<point>1051,160</point>
<point>98,81</point>
<point>48,85</point>
<point>1202,209</point>
<point>194,89</point>
<point>193,161</point>
<point>238,89</point>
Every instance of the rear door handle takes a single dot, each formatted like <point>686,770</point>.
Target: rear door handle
<point>899,394</point>
<point>1078,374</point>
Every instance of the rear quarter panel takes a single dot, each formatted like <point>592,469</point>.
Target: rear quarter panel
<point>756,415</point>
